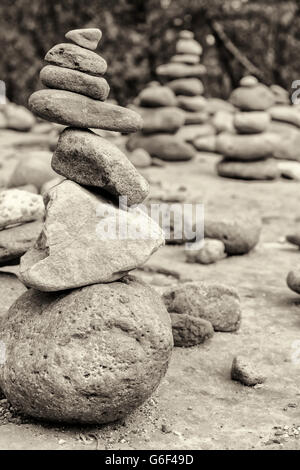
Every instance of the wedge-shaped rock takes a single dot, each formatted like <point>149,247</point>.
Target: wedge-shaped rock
<point>77,58</point>
<point>71,109</point>
<point>88,159</point>
<point>88,38</point>
<point>62,78</point>
<point>87,240</point>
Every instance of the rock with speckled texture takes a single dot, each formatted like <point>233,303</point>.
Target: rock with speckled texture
<point>213,302</point>
<point>89,356</point>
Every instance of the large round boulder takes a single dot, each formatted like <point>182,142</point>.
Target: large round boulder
<point>90,355</point>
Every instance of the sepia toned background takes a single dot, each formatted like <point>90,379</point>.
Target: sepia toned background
<point>138,35</point>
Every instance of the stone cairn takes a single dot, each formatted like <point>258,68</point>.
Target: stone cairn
<point>247,145</point>
<point>174,112</point>
<point>183,78</point>
<point>87,343</point>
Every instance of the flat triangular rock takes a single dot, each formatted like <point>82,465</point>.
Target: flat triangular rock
<point>86,240</point>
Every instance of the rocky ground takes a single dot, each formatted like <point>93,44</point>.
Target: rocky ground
<point>197,405</point>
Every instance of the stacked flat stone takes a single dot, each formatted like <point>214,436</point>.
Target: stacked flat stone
<point>248,150</point>
<point>87,343</point>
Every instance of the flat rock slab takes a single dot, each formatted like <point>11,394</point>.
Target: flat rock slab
<point>258,170</point>
<point>246,147</point>
<point>62,78</point>
<point>15,241</point>
<point>72,109</point>
<point>77,58</point>
<point>87,240</point>
<point>175,70</point>
<point>91,355</point>
<point>88,37</point>
<point>90,160</point>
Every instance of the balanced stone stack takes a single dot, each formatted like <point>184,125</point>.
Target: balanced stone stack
<point>249,149</point>
<point>87,343</point>
<point>183,78</point>
<point>175,112</point>
<point>162,119</point>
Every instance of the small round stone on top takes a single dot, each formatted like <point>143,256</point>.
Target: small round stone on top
<point>88,38</point>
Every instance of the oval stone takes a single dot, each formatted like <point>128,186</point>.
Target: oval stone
<point>76,57</point>
<point>72,109</point>
<point>90,160</point>
<point>257,170</point>
<point>62,78</point>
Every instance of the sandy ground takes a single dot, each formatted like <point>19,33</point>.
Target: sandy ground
<point>198,404</point>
